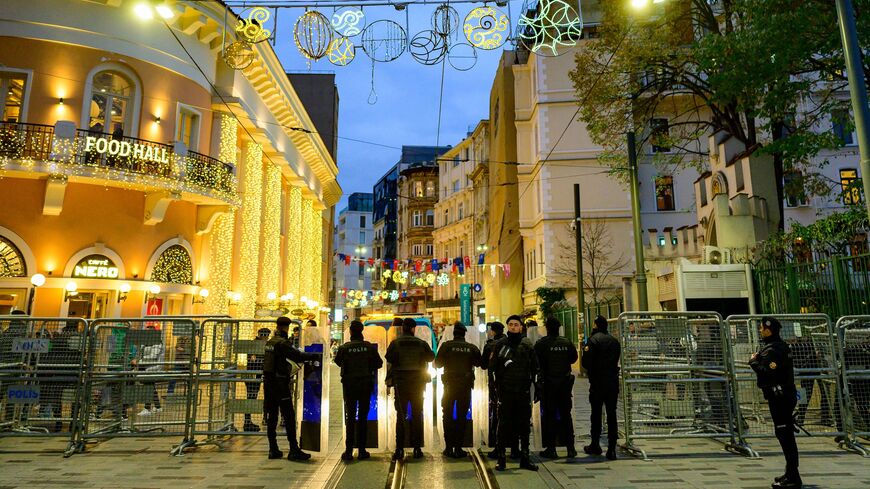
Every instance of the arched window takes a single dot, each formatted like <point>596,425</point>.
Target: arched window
<point>11,260</point>
<point>112,103</point>
<point>173,266</point>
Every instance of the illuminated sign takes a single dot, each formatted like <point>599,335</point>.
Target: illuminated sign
<point>95,266</point>
<point>124,148</point>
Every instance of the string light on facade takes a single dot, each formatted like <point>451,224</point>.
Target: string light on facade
<point>270,262</point>
<point>251,212</point>
<point>221,239</point>
<point>293,270</point>
<point>173,266</point>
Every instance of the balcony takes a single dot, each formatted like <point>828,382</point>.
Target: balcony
<point>89,157</point>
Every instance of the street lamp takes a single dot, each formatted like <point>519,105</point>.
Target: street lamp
<point>203,295</point>
<point>123,292</point>
<point>36,280</point>
<point>71,290</point>
<point>152,293</point>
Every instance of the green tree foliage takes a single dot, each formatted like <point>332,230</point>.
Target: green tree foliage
<point>765,72</point>
<point>548,297</point>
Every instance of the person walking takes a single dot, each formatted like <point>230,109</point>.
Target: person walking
<point>252,388</point>
<point>359,362</point>
<point>556,355</point>
<point>408,357</point>
<point>496,332</point>
<point>774,369</point>
<point>601,361</point>
<point>278,395</point>
<point>515,365</point>
<point>458,358</point>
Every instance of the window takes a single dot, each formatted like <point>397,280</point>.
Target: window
<point>418,219</point>
<point>659,135</point>
<point>665,193</point>
<point>430,188</point>
<point>446,216</point>
<point>429,250</point>
<point>12,95</point>
<point>430,217</point>
<point>418,189</point>
<point>455,161</point>
<point>188,127</point>
<point>362,237</point>
<point>842,126</point>
<point>111,103</point>
<point>362,269</point>
<point>455,186</point>
<point>362,221</point>
<point>848,183</point>
<point>459,212</point>
<point>738,175</point>
<point>702,191</point>
<point>462,248</point>
<point>417,250</point>
<point>793,189</point>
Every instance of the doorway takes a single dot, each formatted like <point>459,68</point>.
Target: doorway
<point>89,305</point>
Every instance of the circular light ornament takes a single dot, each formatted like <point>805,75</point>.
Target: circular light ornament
<point>555,28</point>
<point>348,21</point>
<point>445,20</point>
<point>384,40</point>
<point>239,55</point>
<point>486,28</point>
<point>428,47</point>
<point>313,35</point>
<point>462,56</point>
<point>250,26</point>
<point>341,51</point>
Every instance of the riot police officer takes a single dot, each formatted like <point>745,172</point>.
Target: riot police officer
<point>601,361</point>
<point>496,332</point>
<point>279,351</point>
<point>359,362</point>
<point>458,358</point>
<point>515,365</point>
<point>556,354</point>
<point>408,357</point>
<point>773,367</point>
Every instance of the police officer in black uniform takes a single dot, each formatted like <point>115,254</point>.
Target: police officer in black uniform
<point>408,357</point>
<point>496,332</point>
<point>601,361</point>
<point>515,365</point>
<point>255,362</point>
<point>359,361</point>
<point>458,358</point>
<point>773,367</point>
<point>277,391</point>
<point>556,354</point>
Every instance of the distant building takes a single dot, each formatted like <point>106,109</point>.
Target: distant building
<point>353,236</point>
<point>416,219</point>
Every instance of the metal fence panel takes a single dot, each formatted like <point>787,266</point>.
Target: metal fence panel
<point>675,377</point>
<point>139,378</point>
<point>814,350</point>
<point>41,363</point>
<point>854,334</point>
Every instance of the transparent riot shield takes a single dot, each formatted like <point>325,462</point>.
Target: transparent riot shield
<point>424,333</point>
<point>533,335</point>
<point>313,401</point>
<point>473,434</point>
<point>377,417</point>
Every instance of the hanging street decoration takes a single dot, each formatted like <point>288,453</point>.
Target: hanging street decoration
<point>348,21</point>
<point>445,20</point>
<point>384,41</point>
<point>238,55</point>
<point>428,47</point>
<point>341,51</point>
<point>251,25</point>
<point>551,29</point>
<point>486,28</point>
<point>462,56</point>
<point>313,35</point>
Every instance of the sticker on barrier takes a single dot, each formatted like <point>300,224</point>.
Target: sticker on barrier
<point>854,334</point>
<point>675,378</point>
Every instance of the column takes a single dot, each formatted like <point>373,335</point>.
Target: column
<point>221,238</point>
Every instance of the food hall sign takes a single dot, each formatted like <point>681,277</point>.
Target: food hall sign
<point>124,148</point>
<point>95,266</point>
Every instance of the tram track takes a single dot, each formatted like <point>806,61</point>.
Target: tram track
<point>453,473</point>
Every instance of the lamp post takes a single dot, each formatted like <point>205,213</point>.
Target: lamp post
<point>37,281</point>
<point>857,89</point>
<point>640,266</point>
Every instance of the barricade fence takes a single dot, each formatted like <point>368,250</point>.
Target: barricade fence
<point>854,335</point>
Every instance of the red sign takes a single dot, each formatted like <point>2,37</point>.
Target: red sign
<point>154,307</point>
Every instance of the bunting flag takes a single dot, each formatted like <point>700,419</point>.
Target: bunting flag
<point>435,265</point>
<point>492,270</point>
<point>480,259</point>
<point>371,261</point>
<point>507,270</point>
<point>428,266</point>
<point>347,260</point>
<point>467,262</point>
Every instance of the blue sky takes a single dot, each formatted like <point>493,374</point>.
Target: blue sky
<point>406,111</point>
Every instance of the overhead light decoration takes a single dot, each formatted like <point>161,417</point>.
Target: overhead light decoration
<point>341,51</point>
<point>251,26</point>
<point>443,279</point>
<point>394,295</point>
<point>313,35</point>
<point>551,29</point>
<point>486,27</point>
<point>123,292</point>
<point>348,21</point>
<point>238,55</point>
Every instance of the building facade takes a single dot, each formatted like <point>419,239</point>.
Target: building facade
<point>353,237</point>
<point>146,174</point>
<point>417,195</point>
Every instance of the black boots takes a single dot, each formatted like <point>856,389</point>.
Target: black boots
<point>274,453</point>
<point>611,452</point>
<point>592,449</point>
<point>399,454</point>
<point>501,464</point>
<point>363,454</point>
<point>298,455</point>
<point>787,482</point>
<point>549,453</point>
<point>418,452</point>
<point>572,452</point>
<point>525,463</point>
<point>347,456</point>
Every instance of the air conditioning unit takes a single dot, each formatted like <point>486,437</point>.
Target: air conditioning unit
<point>714,255</point>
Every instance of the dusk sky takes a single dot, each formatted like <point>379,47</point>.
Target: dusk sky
<point>406,111</point>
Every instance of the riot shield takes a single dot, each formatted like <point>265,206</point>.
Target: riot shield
<point>312,403</point>
<point>473,434</point>
<point>376,420</point>
<point>424,333</point>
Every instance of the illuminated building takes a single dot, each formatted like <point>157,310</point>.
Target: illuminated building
<point>139,166</point>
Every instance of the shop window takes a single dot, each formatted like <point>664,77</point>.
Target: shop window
<point>111,103</point>
<point>173,266</point>
<point>187,130</point>
<point>665,193</point>
<point>11,260</point>
<point>12,91</point>
<point>660,136</point>
<point>849,185</point>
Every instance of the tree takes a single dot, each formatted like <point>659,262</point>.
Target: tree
<point>764,72</point>
<point>600,264</point>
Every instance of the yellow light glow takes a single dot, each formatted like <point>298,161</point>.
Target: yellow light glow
<point>143,11</point>
<point>221,239</point>
<point>154,289</point>
<point>203,293</point>
<point>639,4</point>
<point>71,287</point>
<point>251,213</point>
<point>271,296</point>
<point>293,265</point>
<point>124,288</point>
<point>270,256</point>
<point>37,280</point>
<point>163,10</point>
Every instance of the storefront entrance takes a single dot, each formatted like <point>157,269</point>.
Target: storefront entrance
<point>89,305</point>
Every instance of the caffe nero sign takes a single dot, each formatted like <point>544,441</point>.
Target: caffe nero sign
<point>95,266</point>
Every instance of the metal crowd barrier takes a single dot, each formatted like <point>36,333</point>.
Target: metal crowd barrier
<point>675,378</point>
<point>854,335</point>
<point>139,379</point>
<point>41,364</point>
<point>815,355</point>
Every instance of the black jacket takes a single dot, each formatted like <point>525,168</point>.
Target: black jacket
<point>458,357</point>
<point>774,368</point>
<point>359,361</point>
<point>278,351</point>
<point>408,356</point>
<point>601,361</point>
<point>556,354</point>
<point>514,364</point>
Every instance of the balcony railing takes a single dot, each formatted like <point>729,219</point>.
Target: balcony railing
<point>121,158</point>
